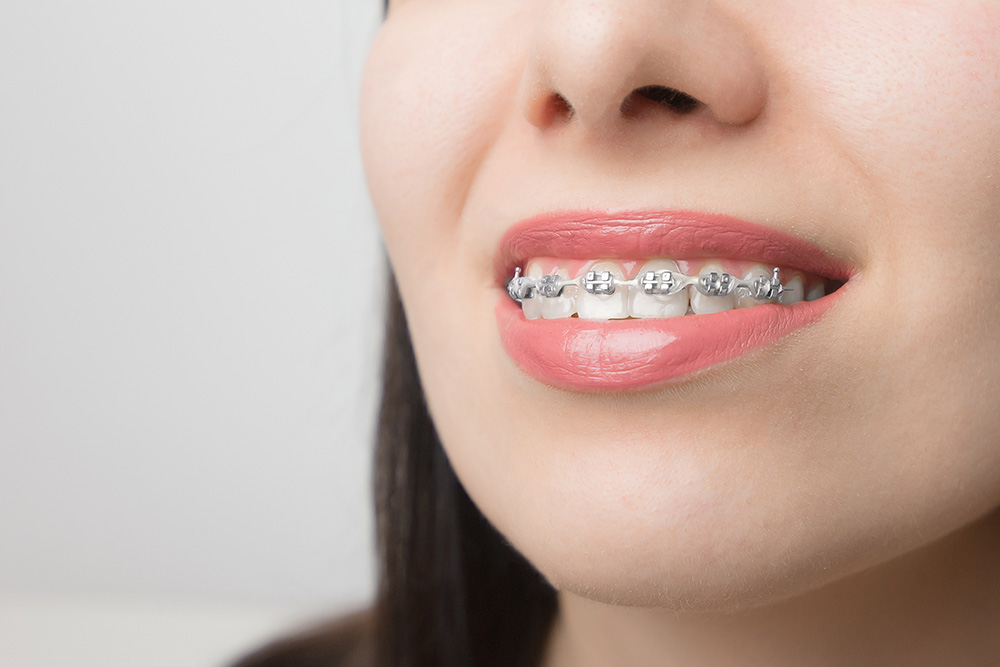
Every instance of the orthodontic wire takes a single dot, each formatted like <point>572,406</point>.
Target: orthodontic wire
<point>713,283</point>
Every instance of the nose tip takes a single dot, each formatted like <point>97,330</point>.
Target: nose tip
<point>591,59</point>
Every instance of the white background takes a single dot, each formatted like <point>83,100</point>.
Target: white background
<point>190,296</point>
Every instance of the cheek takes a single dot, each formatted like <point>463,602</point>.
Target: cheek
<point>911,89</point>
<point>439,84</point>
<point>439,87</point>
<point>910,93</point>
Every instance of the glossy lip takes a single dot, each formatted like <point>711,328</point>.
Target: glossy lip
<point>586,355</point>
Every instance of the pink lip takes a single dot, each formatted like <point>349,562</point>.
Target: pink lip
<point>629,354</point>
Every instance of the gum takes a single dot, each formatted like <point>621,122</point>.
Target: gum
<point>689,267</point>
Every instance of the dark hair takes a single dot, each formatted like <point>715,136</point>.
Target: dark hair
<point>452,592</point>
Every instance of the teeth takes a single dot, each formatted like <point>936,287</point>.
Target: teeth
<point>702,304</point>
<point>604,306</point>
<point>556,307</point>
<point>533,307</point>
<point>659,289</point>
<point>794,291</point>
<point>743,299</point>
<point>641,304</point>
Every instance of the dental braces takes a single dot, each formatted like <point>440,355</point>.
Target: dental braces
<point>662,282</point>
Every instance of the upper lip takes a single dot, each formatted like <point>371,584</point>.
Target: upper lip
<point>666,234</point>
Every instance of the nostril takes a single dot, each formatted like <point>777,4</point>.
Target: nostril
<point>670,97</point>
<point>551,109</point>
<point>673,99</point>
<point>561,107</point>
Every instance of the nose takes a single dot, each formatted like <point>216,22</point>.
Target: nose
<point>595,62</point>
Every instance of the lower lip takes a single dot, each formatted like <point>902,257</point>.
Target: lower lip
<point>587,355</point>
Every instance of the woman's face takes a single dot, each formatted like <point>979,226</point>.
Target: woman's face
<point>759,465</point>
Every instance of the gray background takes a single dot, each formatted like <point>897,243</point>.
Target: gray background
<point>190,296</point>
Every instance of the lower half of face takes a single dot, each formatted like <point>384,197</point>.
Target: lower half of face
<point>867,130</point>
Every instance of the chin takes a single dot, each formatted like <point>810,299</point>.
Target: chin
<point>694,533</point>
<point>701,570</point>
<point>683,572</point>
<point>683,555</point>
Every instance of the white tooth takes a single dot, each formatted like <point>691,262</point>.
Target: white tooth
<point>744,300</point>
<point>794,291</point>
<point>641,304</point>
<point>532,307</point>
<point>703,305</point>
<point>816,292</point>
<point>604,306</point>
<point>562,306</point>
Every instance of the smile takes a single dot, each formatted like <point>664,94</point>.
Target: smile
<point>584,324</point>
<point>659,289</point>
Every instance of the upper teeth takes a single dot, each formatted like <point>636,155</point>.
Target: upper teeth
<point>658,290</point>
<point>661,282</point>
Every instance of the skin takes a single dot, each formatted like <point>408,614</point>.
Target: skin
<point>853,520</point>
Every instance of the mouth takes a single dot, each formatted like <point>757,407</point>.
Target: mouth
<point>638,299</point>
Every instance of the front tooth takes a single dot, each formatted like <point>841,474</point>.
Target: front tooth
<point>793,292</point>
<point>604,306</point>
<point>702,304</point>
<point>533,307</point>
<point>816,292</point>
<point>641,304</point>
<point>743,299</point>
<point>562,306</point>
